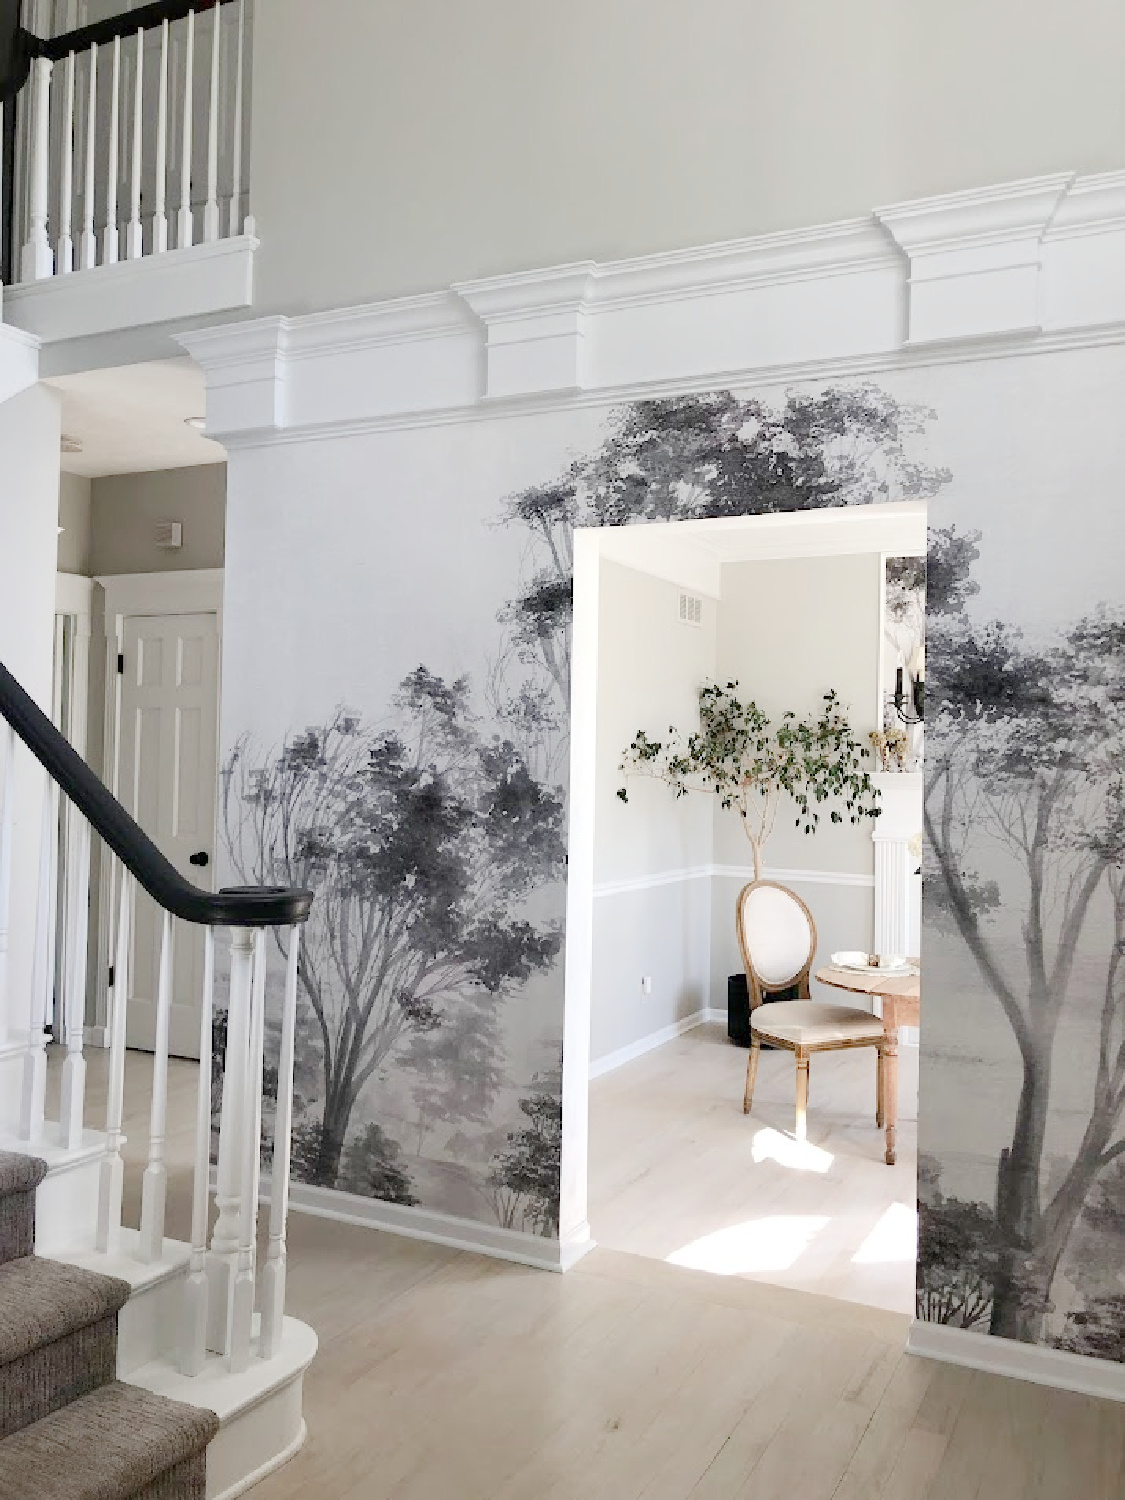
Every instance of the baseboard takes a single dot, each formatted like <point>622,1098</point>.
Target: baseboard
<point>603,1065</point>
<point>441,1229</point>
<point>1034,1362</point>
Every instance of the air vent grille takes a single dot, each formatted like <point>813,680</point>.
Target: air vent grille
<point>691,609</point>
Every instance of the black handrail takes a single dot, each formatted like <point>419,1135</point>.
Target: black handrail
<point>263,906</point>
<point>144,18</point>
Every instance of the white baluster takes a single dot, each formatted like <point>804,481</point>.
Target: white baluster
<point>66,191</point>
<point>184,227</point>
<point>110,236</point>
<point>74,997</point>
<point>111,1180</point>
<point>273,1274</point>
<point>42,973</point>
<point>235,218</point>
<point>221,1259</point>
<point>38,261</point>
<point>7,807</point>
<point>211,212</point>
<point>134,234</point>
<point>242,1310</point>
<point>88,253</point>
<point>193,1352</point>
<point>155,1181</point>
<point>160,217</point>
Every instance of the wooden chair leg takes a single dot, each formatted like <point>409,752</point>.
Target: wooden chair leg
<point>802,1094</point>
<point>751,1074</point>
<point>880,1087</point>
<point>890,1092</point>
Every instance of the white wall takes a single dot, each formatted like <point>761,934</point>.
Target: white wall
<point>399,147</point>
<point>29,502</point>
<point>788,631</point>
<point>651,917</point>
<point>74,521</point>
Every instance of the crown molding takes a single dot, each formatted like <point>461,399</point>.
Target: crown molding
<point>19,361</point>
<point>535,327</point>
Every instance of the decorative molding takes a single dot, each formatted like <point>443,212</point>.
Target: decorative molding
<point>19,360</point>
<point>975,257</point>
<point>608,888</point>
<point>189,591</point>
<point>600,1066</point>
<point>440,1229</point>
<point>535,327</point>
<point>195,282</point>
<point>1035,1362</point>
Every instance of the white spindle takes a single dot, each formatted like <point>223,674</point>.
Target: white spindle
<point>236,144</point>
<point>110,237</point>
<point>35,1059</point>
<point>74,994</point>
<point>273,1274</point>
<point>221,1260</point>
<point>112,1175</point>
<point>7,808</point>
<point>38,261</point>
<point>184,228</point>
<point>211,212</point>
<point>242,1311</point>
<point>194,1343</point>
<point>155,1180</point>
<point>66,191</point>
<point>160,217</point>
<point>88,254</point>
<point>134,235</point>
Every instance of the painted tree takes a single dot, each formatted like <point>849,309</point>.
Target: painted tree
<point>423,841</point>
<point>689,458</point>
<point>458,1067</point>
<point>1025,749</point>
<point>527,1174</point>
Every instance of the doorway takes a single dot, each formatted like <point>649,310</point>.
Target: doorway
<point>790,606</point>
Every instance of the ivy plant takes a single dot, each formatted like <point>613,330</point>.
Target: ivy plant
<point>751,763</point>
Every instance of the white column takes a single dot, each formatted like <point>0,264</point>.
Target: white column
<point>222,1257</point>
<point>7,814</point>
<point>242,1301</point>
<point>273,1275</point>
<point>184,226</point>
<point>111,1180</point>
<point>160,217</point>
<point>66,189</point>
<point>899,821</point>
<point>110,235</point>
<point>33,1093</point>
<point>134,234</point>
<point>193,1344</point>
<point>211,212</point>
<point>74,1001</point>
<point>155,1181</point>
<point>38,261</point>
<point>88,250</point>
<point>235,219</point>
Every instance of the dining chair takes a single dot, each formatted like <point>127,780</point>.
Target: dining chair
<point>777,936</point>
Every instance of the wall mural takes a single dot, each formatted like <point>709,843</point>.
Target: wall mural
<point>431,819</point>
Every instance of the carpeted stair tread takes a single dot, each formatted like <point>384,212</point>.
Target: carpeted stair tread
<point>20,1174</point>
<point>42,1301</point>
<point>114,1444</point>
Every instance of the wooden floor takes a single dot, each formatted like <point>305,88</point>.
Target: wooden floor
<point>678,1171</point>
<point>446,1376</point>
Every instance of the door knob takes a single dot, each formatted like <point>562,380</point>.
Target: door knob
<point>202,859</point>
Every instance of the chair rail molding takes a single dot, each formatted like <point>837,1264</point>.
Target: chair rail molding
<point>1021,267</point>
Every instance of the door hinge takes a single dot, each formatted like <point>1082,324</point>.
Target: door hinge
<point>111,976</point>
<point>121,664</point>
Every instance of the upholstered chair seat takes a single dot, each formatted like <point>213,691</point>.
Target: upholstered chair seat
<point>811,1023</point>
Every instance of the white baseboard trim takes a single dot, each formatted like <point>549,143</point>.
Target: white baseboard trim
<point>441,1229</point>
<point>613,1060</point>
<point>1034,1362</point>
<point>95,1036</point>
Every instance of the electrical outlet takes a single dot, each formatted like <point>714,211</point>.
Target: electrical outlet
<point>646,984</point>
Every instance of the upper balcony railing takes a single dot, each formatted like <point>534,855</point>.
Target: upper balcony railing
<point>128,139</point>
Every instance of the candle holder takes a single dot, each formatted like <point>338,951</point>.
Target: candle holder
<point>915,712</point>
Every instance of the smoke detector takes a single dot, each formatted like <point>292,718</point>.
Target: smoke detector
<point>691,609</point>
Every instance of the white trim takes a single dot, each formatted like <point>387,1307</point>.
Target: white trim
<point>600,1066</point>
<point>74,594</point>
<point>440,1229</point>
<point>608,888</point>
<point>1035,1362</point>
<point>265,1469</point>
<point>187,592</point>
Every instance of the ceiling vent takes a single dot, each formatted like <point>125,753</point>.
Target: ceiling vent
<point>169,535</point>
<point>691,609</point>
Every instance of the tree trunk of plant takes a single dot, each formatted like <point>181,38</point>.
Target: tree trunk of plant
<point>1021,1292</point>
<point>756,851</point>
<point>339,1100</point>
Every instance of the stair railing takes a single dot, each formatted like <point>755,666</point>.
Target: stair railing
<point>219,1294</point>
<point>132,139</point>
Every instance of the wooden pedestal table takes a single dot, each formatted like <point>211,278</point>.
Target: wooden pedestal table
<point>900,1006</point>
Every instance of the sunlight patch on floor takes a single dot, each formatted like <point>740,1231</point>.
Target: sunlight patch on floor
<point>893,1240</point>
<point>772,1244</point>
<point>787,1151</point>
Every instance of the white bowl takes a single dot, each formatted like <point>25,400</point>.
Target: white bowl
<point>872,963</point>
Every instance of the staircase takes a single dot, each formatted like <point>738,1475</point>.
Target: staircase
<point>69,1430</point>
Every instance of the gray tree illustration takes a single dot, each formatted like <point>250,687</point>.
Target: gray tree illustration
<point>1026,748</point>
<point>423,840</point>
<point>525,1180</point>
<point>458,1067</point>
<point>679,459</point>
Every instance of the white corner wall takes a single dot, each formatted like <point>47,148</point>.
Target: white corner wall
<point>652,856</point>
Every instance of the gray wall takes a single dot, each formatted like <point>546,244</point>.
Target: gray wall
<point>125,509</point>
<point>398,147</point>
<point>74,519</point>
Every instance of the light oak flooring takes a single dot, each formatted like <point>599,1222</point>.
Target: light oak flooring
<point>678,1171</point>
<point>445,1376</point>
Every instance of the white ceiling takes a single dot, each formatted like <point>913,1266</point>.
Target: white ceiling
<point>133,419</point>
<point>692,553</point>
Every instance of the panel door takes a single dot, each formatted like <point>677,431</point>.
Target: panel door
<point>168,768</point>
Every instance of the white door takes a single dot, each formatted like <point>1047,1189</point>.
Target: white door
<point>167,779</point>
